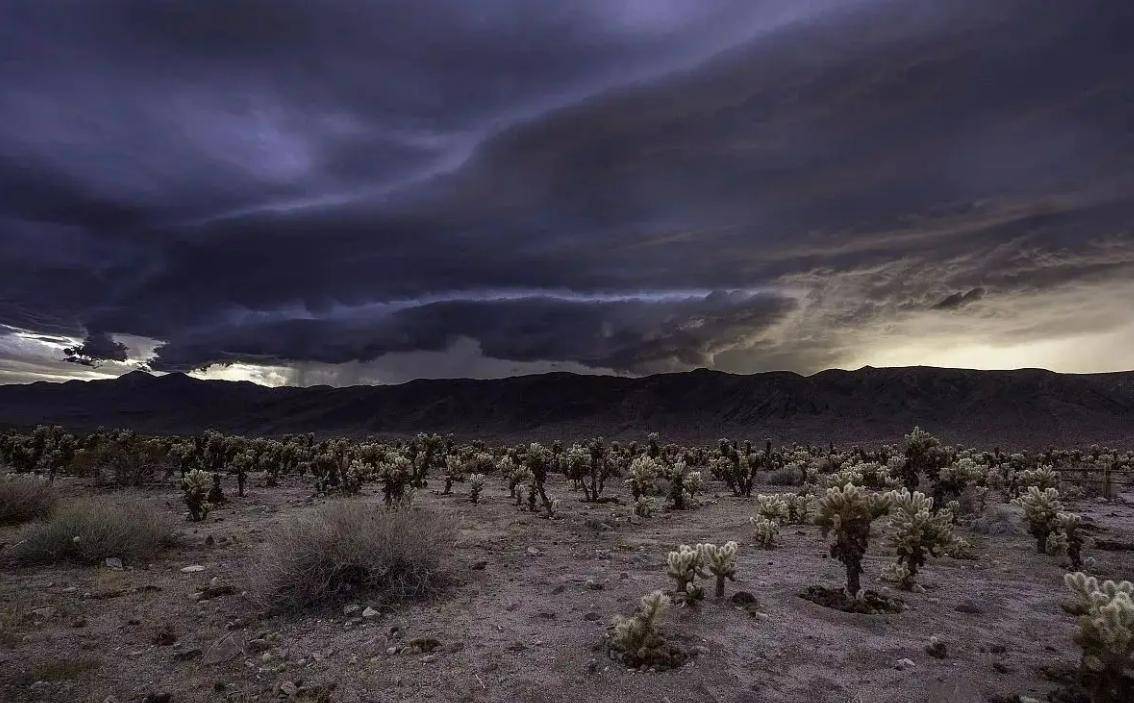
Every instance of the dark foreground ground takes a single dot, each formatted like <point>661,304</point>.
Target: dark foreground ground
<point>522,622</point>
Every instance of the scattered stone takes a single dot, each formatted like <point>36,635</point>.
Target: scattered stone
<point>289,688</point>
<point>533,552</point>
<point>351,609</point>
<point>370,613</point>
<point>969,608</point>
<point>936,648</point>
<point>903,664</point>
<point>192,569</point>
<point>591,616</point>
<point>480,565</point>
<point>186,654</point>
<point>114,563</point>
<point>594,585</point>
<point>165,636</point>
<point>258,645</point>
<point>223,650</point>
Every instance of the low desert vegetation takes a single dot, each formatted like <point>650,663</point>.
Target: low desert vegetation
<point>364,535</point>
<point>351,549</point>
<point>23,498</point>
<point>92,529</point>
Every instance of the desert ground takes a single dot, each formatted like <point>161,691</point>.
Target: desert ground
<point>525,611</point>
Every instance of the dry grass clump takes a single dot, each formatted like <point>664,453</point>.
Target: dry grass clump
<point>89,530</point>
<point>351,549</point>
<point>24,498</point>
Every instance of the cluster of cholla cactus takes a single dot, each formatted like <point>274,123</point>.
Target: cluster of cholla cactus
<point>924,454</point>
<point>1067,539</point>
<point>683,484</point>
<point>917,532</point>
<point>737,465</point>
<point>687,564</point>
<point>965,475</point>
<point>1106,634</point>
<point>538,460</point>
<point>396,473</point>
<point>195,487</point>
<point>515,475</point>
<point>1041,510</point>
<point>589,465</point>
<point>476,485</point>
<point>645,506</point>
<point>721,563</point>
<point>644,473</point>
<point>637,639</point>
<point>848,512</point>
<point>456,469</point>
<point>765,531</point>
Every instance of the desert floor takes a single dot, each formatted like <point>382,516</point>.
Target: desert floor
<point>530,602</point>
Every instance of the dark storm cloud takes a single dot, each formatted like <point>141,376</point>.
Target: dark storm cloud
<point>626,335</point>
<point>96,348</point>
<point>283,182</point>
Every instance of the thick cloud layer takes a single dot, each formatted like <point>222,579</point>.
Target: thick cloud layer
<point>620,186</point>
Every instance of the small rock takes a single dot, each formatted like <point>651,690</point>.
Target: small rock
<point>192,569</point>
<point>114,563</point>
<point>936,648</point>
<point>351,609</point>
<point>258,645</point>
<point>370,613</point>
<point>188,653</point>
<point>903,664</point>
<point>289,688</point>
<point>429,658</point>
<point>480,565</point>
<point>391,650</point>
<point>594,585</point>
<point>533,552</point>
<point>591,616</point>
<point>968,608</point>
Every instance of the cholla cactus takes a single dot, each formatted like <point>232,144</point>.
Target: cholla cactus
<point>644,472</point>
<point>637,637</point>
<point>918,533</point>
<point>799,508</point>
<point>684,566</point>
<point>1041,509</point>
<point>684,484</point>
<point>456,468</point>
<point>195,487</point>
<point>1066,539</point>
<point>771,507</point>
<point>396,472</point>
<point>720,561</point>
<point>476,485</point>
<point>1106,633</point>
<point>765,532</point>
<point>1042,478</point>
<point>645,506</point>
<point>848,512</point>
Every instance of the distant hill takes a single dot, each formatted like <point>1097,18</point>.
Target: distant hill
<point>1028,407</point>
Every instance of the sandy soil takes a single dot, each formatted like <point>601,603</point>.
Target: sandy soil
<point>524,626</point>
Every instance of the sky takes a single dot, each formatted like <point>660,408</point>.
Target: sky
<point>343,192</point>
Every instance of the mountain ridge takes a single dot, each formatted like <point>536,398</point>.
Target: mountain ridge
<point>1016,408</point>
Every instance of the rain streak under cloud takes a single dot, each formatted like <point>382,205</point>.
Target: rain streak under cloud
<point>367,192</point>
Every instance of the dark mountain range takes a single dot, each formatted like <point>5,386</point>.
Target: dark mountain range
<point>1027,407</point>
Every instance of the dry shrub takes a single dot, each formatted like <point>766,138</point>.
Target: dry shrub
<point>784,476</point>
<point>351,549</point>
<point>24,498</point>
<point>89,530</point>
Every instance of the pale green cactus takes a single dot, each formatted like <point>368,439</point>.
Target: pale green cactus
<point>645,506</point>
<point>848,512</point>
<point>396,472</point>
<point>1067,539</point>
<point>684,484</point>
<point>684,566</point>
<point>1043,478</point>
<point>476,485</point>
<point>772,507</point>
<point>1041,510</point>
<point>1106,633</point>
<point>799,508</point>
<point>644,472</point>
<point>917,533</point>
<point>765,532</point>
<point>720,561</point>
<point>195,487</point>
<point>456,469</point>
<point>638,638</point>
